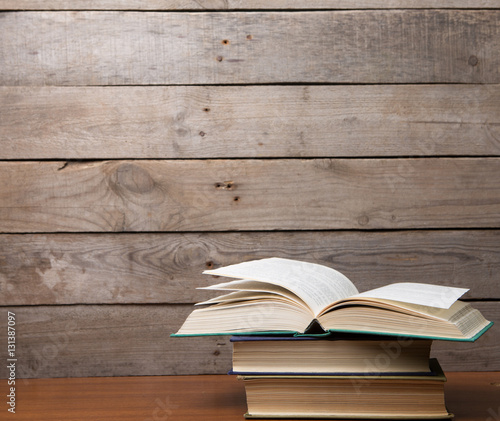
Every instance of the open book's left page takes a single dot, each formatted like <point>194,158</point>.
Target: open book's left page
<point>317,285</point>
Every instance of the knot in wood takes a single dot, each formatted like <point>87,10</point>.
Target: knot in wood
<point>473,61</point>
<point>134,183</point>
<point>133,178</point>
<point>363,220</point>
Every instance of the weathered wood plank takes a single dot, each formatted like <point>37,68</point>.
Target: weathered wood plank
<point>249,121</point>
<point>240,4</point>
<point>81,341</point>
<point>167,268</point>
<point>131,48</point>
<point>226,195</point>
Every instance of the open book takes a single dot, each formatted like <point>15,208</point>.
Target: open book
<point>281,295</point>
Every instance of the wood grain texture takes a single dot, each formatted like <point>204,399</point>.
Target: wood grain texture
<point>249,121</point>
<point>470,396</point>
<point>226,195</point>
<point>144,398</point>
<point>222,5</point>
<point>134,48</point>
<point>119,246</point>
<point>167,268</point>
<point>81,341</point>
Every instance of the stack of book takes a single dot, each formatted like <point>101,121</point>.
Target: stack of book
<point>339,377</point>
<point>307,344</point>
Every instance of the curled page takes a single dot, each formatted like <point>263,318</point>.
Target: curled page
<point>316,285</point>
<point>253,288</point>
<point>416,293</point>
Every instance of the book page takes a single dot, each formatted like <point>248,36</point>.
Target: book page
<point>416,293</point>
<point>236,296</point>
<point>255,287</point>
<point>317,285</point>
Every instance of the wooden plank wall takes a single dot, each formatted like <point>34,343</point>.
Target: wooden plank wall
<point>138,148</point>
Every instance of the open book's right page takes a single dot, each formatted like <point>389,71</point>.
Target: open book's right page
<point>416,293</point>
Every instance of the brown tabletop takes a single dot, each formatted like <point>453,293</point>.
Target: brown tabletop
<point>470,396</point>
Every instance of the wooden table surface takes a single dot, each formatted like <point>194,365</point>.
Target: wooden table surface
<point>470,396</point>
